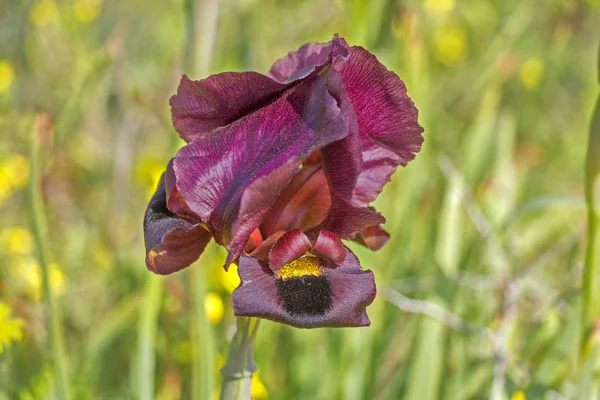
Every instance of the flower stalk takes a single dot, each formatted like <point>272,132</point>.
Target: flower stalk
<point>41,129</point>
<point>237,372</point>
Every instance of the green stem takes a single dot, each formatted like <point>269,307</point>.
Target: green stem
<point>147,337</point>
<point>201,20</point>
<point>237,372</point>
<point>40,233</point>
<point>203,342</point>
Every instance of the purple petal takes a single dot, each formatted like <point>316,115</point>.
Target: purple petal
<point>172,242</point>
<point>213,171</point>
<point>301,62</point>
<point>373,237</point>
<point>294,244</point>
<point>345,220</point>
<point>352,290</point>
<point>201,106</point>
<point>387,121</point>
<point>329,246</point>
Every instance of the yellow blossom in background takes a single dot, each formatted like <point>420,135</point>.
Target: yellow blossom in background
<point>259,391</point>
<point>518,395</point>
<point>7,75</point>
<point>440,7</point>
<point>16,240</point>
<point>450,44</point>
<point>11,329</point>
<point>230,279</point>
<point>532,72</point>
<point>28,272</point>
<point>87,10</point>
<point>43,13</point>
<point>147,174</point>
<point>14,175</point>
<point>213,307</point>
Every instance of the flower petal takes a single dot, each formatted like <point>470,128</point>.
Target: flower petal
<point>294,244</point>
<point>345,220</point>
<point>172,242</point>
<point>300,62</point>
<point>329,246</point>
<point>201,106</point>
<point>373,237</point>
<point>387,121</point>
<point>351,291</point>
<point>213,172</point>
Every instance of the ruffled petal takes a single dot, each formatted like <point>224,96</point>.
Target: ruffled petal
<point>345,220</point>
<point>172,242</point>
<point>301,62</point>
<point>201,106</point>
<point>387,121</point>
<point>349,289</point>
<point>213,172</point>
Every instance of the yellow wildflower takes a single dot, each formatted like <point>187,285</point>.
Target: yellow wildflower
<point>16,170</point>
<point>43,13</point>
<point>532,71</point>
<point>87,10</point>
<point>518,395</point>
<point>28,271</point>
<point>450,44</point>
<point>259,391</point>
<point>16,240</point>
<point>440,7</point>
<point>230,280</point>
<point>7,75</point>
<point>11,329</point>
<point>147,174</point>
<point>213,307</point>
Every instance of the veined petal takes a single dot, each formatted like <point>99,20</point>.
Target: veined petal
<point>305,59</point>
<point>373,237</point>
<point>213,172</point>
<point>387,121</point>
<point>340,295</point>
<point>172,242</point>
<point>294,244</point>
<point>201,106</point>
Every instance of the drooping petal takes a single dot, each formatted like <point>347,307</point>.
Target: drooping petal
<point>347,289</point>
<point>387,121</point>
<point>172,242</point>
<point>294,244</point>
<point>373,237</point>
<point>201,106</point>
<point>214,171</point>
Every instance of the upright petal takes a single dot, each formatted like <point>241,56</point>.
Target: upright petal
<point>172,242</point>
<point>201,106</point>
<point>387,121</point>
<point>301,62</point>
<point>213,172</point>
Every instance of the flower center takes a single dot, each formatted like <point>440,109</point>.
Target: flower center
<point>305,266</point>
<point>302,287</point>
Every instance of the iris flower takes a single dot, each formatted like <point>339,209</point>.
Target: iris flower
<point>279,169</point>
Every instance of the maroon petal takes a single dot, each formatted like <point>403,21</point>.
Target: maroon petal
<point>387,121</point>
<point>345,220</point>
<point>303,204</point>
<point>294,244</point>
<point>301,62</point>
<point>201,106</point>
<point>329,246</point>
<point>373,237</point>
<point>213,172</point>
<point>172,242</point>
<point>350,291</point>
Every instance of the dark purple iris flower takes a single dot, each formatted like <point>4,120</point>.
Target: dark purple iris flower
<point>280,168</point>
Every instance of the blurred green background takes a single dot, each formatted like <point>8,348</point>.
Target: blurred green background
<point>479,289</point>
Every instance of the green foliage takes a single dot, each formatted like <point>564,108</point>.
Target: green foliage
<point>488,224</point>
